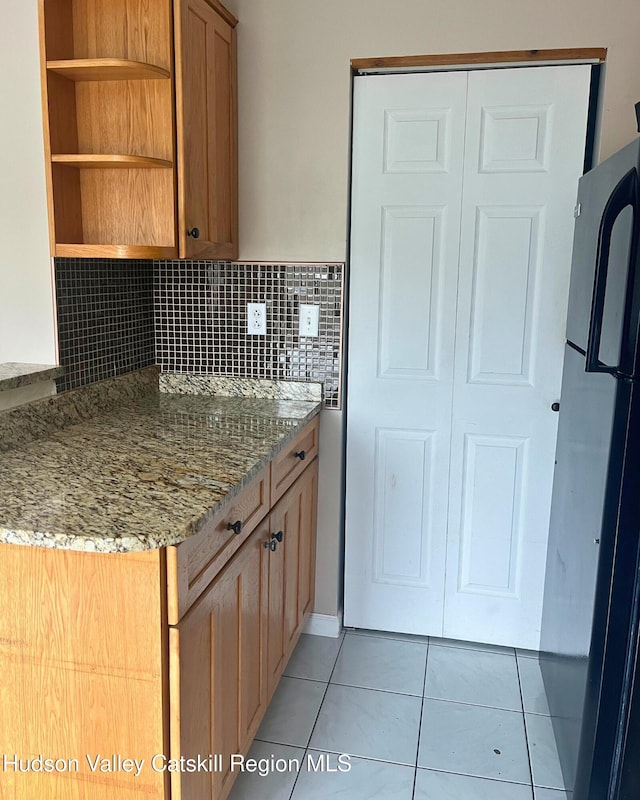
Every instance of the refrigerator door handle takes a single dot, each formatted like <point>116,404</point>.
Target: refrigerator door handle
<point>625,194</point>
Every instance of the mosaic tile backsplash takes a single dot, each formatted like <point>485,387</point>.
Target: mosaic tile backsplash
<point>201,321</point>
<point>116,316</point>
<point>105,318</point>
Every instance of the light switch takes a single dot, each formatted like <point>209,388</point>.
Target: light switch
<point>309,316</point>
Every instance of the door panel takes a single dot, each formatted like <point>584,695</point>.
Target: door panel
<point>492,523</point>
<point>514,138</point>
<point>463,192</point>
<point>505,264</point>
<point>410,264</point>
<point>407,185</point>
<point>522,164</point>
<point>403,472</point>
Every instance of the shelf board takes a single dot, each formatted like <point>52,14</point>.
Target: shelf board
<point>95,161</point>
<point>115,251</point>
<point>107,69</point>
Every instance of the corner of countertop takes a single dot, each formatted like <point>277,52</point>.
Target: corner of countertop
<point>16,374</point>
<point>36,420</point>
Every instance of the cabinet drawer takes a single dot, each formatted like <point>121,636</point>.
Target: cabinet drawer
<point>192,564</point>
<point>293,459</point>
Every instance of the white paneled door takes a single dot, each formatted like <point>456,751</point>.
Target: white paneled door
<point>407,195</point>
<point>462,218</point>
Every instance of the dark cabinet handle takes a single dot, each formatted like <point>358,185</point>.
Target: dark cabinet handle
<point>194,232</point>
<point>272,545</point>
<point>300,455</point>
<point>236,527</point>
<point>279,536</point>
<point>555,406</point>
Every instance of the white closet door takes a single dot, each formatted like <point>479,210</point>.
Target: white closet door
<point>407,181</point>
<point>524,153</point>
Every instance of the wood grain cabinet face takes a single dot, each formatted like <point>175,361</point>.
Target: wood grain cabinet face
<point>82,659</point>
<point>207,135</point>
<point>192,564</point>
<point>218,651</point>
<point>91,665</point>
<point>291,571</point>
<point>293,459</point>
<point>118,147</point>
<point>231,647</point>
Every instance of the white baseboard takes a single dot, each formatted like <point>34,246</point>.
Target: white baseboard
<point>324,625</point>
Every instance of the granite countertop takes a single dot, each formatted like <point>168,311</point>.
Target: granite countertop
<point>144,475</point>
<point>13,374</point>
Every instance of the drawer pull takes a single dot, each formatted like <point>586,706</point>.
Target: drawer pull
<point>279,536</point>
<point>236,527</point>
<point>271,545</point>
<point>300,455</point>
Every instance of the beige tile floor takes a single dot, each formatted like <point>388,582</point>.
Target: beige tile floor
<point>419,718</point>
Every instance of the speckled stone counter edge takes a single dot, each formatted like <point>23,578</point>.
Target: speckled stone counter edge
<point>14,375</point>
<point>222,386</point>
<point>40,419</point>
<point>190,527</point>
<point>27,423</point>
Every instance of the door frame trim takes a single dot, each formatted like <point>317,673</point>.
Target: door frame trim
<point>503,58</point>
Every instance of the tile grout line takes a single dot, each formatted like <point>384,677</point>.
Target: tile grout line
<point>524,722</point>
<point>424,687</point>
<point>501,781</point>
<point>315,722</point>
<point>305,747</point>
<point>374,689</point>
<point>388,635</point>
<point>465,703</point>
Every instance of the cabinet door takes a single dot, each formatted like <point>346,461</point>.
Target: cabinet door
<point>218,683</point>
<point>206,113</point>
<point>307,545</point>
<point>291,571</point>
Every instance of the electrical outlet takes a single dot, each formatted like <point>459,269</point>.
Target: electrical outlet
<point>309,317</point>
<point>257,319</point>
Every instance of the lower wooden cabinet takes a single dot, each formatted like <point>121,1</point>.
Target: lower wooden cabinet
<point>93,672</point>
<point>84,675</point>
<point>217,663</point>
<point>291,581</point>
<point>230,649</point>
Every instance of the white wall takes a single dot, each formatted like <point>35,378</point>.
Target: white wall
<point>294,94</point>
<point>27,331</point>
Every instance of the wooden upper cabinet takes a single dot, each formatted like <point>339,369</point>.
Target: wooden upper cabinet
<point>115,156</point>
<point>206,130</point>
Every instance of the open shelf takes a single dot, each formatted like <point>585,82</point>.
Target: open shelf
<point>107,69</point>
<point>93,161</point>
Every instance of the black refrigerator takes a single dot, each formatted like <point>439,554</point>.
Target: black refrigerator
<point>589,638</point>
